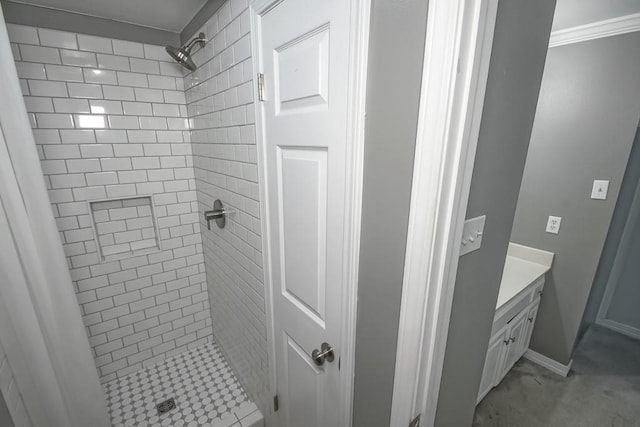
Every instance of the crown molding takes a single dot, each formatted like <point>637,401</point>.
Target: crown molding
<point>596,30</point>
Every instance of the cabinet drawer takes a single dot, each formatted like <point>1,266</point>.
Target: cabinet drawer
<point>509,311</point>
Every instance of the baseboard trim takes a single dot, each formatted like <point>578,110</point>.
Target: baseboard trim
<point>548,363</point>
<point>629,331</point>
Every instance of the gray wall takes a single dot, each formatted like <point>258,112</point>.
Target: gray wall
<point>517,61</point>
<point>624,304</point>
<point>584,128</point>
<point>5,416</point>
<point>627,191</point>
<point>396,50</point>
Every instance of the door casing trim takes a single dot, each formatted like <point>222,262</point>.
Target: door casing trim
<point>456,66</point>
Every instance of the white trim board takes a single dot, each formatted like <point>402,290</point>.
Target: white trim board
<point>358,60</point>
<point>456,65</point>
<point>621,328</point>
<point>548,363</point>
<point>41,309</point>
<point>257,8</point>
<point>596,30</point>
<point>20,332</point>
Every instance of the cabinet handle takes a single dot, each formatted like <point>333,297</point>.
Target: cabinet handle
<point>540,293</point>
<point>530,319</point>
<point>506,342</point>
<point>512,339</point>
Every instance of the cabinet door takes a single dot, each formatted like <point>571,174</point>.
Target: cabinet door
<point>492,364</point>
<point>532,314</point>
<point>515,338</point>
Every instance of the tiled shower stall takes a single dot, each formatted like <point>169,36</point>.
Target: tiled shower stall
<point>133,151</point>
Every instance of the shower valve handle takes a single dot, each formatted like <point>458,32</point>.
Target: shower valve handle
<point>218,214</point>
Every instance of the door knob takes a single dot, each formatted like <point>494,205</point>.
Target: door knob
<point>325,353</point>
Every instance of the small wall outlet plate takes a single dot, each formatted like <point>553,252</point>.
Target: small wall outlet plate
<point>472,234</point>
<point>553,224</point>
<point>600,189</point>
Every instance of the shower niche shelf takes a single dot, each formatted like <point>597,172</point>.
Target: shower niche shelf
<point>124,227</point>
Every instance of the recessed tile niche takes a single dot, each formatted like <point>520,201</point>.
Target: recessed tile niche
<point>124,227</point>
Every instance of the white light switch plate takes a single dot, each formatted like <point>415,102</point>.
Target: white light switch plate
<point>472,234</point>
<point>600,189</point>
<point>553,224</point>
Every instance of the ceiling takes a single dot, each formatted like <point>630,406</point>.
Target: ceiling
<point>169,15</point>
<point>571,13</point>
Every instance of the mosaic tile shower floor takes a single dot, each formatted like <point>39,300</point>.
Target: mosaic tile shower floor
<point>206,393</point>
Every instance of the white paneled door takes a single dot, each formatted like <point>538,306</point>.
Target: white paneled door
<point>304,52</point>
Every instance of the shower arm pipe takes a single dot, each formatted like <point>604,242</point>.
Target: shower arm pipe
<point>199,39</point>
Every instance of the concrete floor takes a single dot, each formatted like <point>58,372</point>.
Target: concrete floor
<point>603,388</point>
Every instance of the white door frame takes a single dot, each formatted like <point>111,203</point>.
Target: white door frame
<point>46,341</point>
<point>616,271</point>
<point>358,53</point>
<point>456,65</point>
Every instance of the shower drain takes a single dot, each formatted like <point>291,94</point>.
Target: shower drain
<point>165,406</point>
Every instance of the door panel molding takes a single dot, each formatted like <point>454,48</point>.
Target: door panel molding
<point>315,96</point>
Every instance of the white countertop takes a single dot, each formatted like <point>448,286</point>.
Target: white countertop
<point>522,267</point>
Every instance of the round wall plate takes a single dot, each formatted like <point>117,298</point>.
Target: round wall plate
<point>217,206</point>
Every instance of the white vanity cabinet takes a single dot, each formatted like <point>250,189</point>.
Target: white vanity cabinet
<point>510,336</point>
<point>516,312</point>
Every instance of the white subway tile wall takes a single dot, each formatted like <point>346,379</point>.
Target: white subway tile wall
<point>220,107</point>
<point>11,395</point>
<point>110,122</point>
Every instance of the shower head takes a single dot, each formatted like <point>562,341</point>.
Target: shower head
<point>183,55</point>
